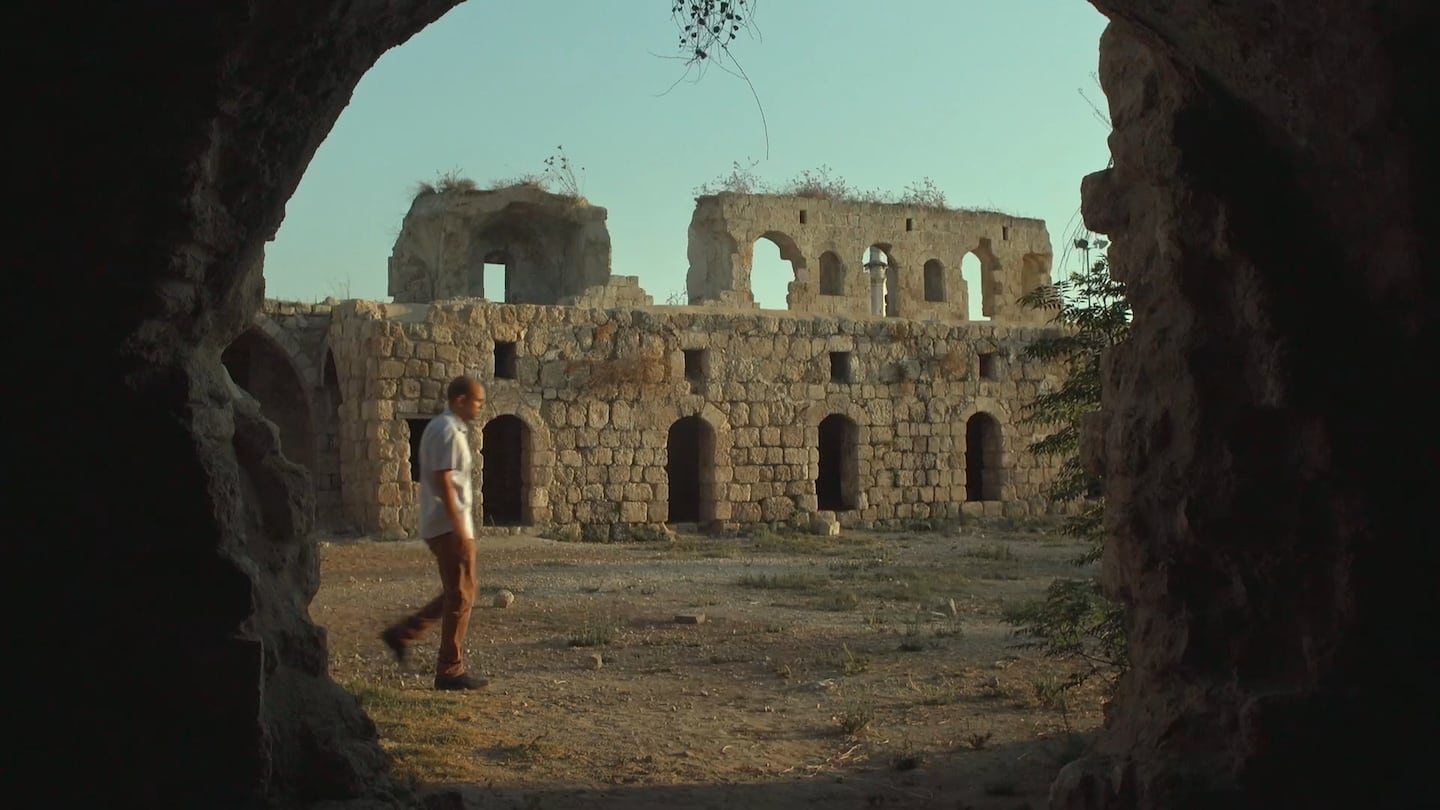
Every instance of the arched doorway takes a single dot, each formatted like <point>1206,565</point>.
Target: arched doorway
<point>505,475</point>
<point>983,473</point>
<point>257,364</point>
<point>837,487</point>
<point>690,470</point>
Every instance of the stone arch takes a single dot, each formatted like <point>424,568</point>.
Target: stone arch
<point>690,471</point>
<point>983,277</point>
<point>720,424</point>
<point>789,252</point>
<point>984,457</point>
<point>539,460</point>
<point>1260,219</point>
<point>894,299</point>
<point>306,367</point>
<point>262,366</point>
<point>816,413</point>
<point>935,291</point>
<point>837,475</point>
<point>832,274</point>
<point>507,472</point>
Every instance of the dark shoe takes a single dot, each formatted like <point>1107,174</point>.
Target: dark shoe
<point>457,683</point>
<point>397,646</point>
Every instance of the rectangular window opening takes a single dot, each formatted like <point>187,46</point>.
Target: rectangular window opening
<point>696,362</point>
<point>1004,233</point>
<point>909,224</point>
<point>840,367</point>
<point>416,426</point>
<point>803,216</point>
<point>495,283</point>
<point>504,359</point>
<point>989,367</point>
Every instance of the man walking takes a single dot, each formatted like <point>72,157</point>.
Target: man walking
<point>448,527</point>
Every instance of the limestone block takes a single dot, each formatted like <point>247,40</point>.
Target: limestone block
<point>622,415</point>
<point>747,512</point>
<point>598,414</point>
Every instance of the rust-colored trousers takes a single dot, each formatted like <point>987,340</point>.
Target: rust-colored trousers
<point>451,608</point>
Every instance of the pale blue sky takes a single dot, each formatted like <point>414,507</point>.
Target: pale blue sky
<point>982,97</point>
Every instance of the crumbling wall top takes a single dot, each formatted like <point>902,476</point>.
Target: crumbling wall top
<point>549,246</point>
<point>825,240</point>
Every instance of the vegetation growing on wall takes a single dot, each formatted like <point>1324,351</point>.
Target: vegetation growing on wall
<point>561,176</point>
<point>444,183</point>
<point>822,183</point>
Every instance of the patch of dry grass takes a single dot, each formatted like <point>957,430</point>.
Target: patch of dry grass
<point>428,733</point>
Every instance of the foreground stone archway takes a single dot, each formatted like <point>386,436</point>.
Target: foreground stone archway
<point>1264,170</point>
<point>1274,553</point>
<point>193,675</point>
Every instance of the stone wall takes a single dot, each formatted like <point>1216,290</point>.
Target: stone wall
<point>600,392</point>
<point>825,240</point>
<point>551,245</point>
<point>287,368</point>
<point>618,292</point>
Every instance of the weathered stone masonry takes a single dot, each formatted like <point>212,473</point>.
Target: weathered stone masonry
<point>608,415</point>
<point>282,360</point>
<point>824,241</point>
<point>599,394</point>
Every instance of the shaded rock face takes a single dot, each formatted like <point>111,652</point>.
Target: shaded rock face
<point>1268,490</point>
<point>172,658</point>
<point>1266,493</point>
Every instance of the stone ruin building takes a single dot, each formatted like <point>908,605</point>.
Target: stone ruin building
<point>608,417</point>
<point>1269,511</point>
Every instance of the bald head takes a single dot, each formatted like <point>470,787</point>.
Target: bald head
<point>466,396</point>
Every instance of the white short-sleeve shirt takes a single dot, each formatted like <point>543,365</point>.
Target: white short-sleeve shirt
<point>445,445</point>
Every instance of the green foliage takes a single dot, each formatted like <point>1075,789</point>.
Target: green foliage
<point>1076,620</point>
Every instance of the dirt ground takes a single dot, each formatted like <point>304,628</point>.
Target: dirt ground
<point>827,672</point>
